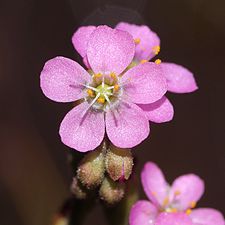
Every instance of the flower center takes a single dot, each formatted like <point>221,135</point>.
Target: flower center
<point>104,91</point>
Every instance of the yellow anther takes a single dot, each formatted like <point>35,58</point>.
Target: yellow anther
<point>90,93</point>
<point>113,75</point>
<point>116,87</point>
<point>166,201</point>
<point>188,211</point>
<point>101,100</point>
<point>193,204</point>
<point>177,192</point>
<point>143,61</point>
<point>173,210</point>
<point>137,41</point>
<point>158,61</point>
<point>156,49</point>
<point>97,75</point>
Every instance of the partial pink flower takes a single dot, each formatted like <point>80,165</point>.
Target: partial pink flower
<point>147,42</point>
<point>179,79</point>
<point>110,93</point>
<point>172,204</point>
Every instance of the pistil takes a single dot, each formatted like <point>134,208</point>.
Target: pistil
<point>104,89</point>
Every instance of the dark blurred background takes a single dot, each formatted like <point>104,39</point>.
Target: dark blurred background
<point>34,174</point>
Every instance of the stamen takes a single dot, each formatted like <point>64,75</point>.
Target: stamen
<point>116,87</point>
<point>90,93</point>
<point>156,49</point>
<point>103,82</point>
<point>109,88</point>
<point>101,100</point>
<point>107,98</point>
<point>90,87</point>
<point>101,92</point>
<point>137,41</point>
<point>143,61</point>
<point>158,61</point>
<point>173,210</point>
<point>193,204</point>
<point>93,101</point>
<point>97,75</point>
<point>113,75</point>
<point>188,211</point>
<point>166,201</point>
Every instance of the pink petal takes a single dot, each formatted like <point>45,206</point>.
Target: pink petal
<point>142,213</point>
<point>180,79</point>
<point>154,184</point>
<point>62,79</point>
<point>206,216</point>
<point>80,39</point>
<point>148,39</point>
<point>173,219</point>
<point>144,83</point>
<point>82,131</point>
<point>127,126</point>
<point>160,111</point>
<point>190,188</point>
<point>110,50</point>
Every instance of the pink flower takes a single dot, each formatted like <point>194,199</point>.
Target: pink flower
<point>171,205</point>
<point>179,79</point>
<point>110,93</point>
<point>158,112</point>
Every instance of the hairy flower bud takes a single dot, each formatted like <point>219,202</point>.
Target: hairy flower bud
<point>92,168</point>
<point>77,189</point>
<point>111,192</point>
<point>119,163</point>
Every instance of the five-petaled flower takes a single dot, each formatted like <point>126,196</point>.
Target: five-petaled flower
<point>112,96</point>
<point>173,204</point>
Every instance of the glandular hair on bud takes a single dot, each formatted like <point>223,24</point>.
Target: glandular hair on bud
<point>77,189</point>
<point>92,168</point>
<point>119,163</point>
<point>111,191</point>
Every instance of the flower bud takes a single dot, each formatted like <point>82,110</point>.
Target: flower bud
<point>119,163</point>
<point>110,191</point>
<point>92,168</point>
<point>77,189</point>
